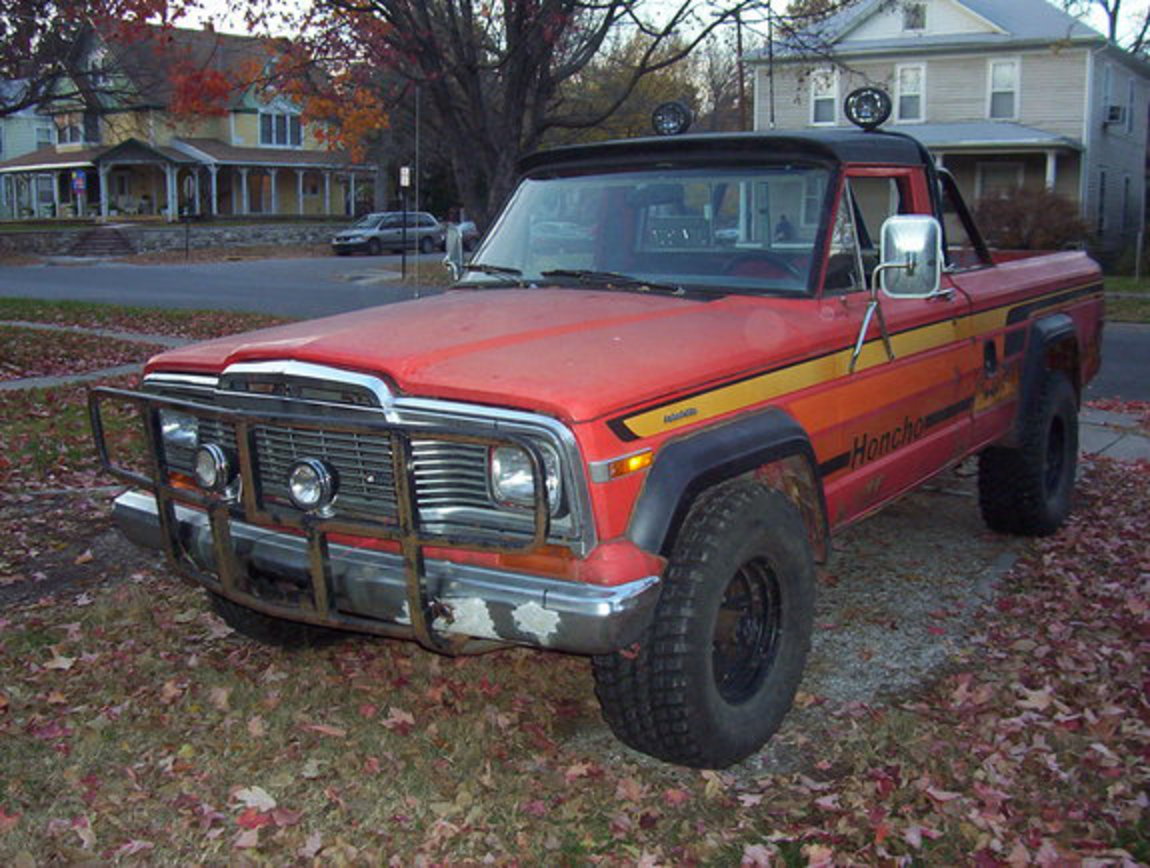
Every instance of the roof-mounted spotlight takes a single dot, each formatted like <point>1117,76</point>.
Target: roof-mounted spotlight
<point>867,107</point>
<point>671,118</point>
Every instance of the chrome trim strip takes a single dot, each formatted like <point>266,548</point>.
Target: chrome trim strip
<point>205,381</point>
<point>311,371</point>
<point>368,586</point>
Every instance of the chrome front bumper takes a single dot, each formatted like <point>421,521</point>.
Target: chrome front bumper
<point>369,592</point>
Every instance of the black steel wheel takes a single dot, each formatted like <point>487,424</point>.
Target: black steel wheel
<point>1027,490</point>
<point>719,666</point>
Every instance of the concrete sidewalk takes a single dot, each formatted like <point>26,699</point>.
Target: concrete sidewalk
<point>1114,435</point>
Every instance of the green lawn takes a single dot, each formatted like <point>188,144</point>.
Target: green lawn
<point>1128,299</point>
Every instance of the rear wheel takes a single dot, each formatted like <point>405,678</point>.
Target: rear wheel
<point>1027,490</point>
<point>720,664</point>
<point>268,630</point>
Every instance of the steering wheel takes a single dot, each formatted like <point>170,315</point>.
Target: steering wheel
<point>761,263</point>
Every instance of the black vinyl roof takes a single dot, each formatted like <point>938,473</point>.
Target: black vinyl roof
<point>830,146</point>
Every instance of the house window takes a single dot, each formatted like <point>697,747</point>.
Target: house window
<point>1102,202</point>
<point>45,136</point>
<point>1003,89</point>
<point>814,189</point>
<point>280,130</point>
<point>914,16</point>
<point>1125,204</point>
<point>70,134</point>
<point>824,96</point>
<point>1130,105</point>
<point>998,180</point>
<point>909,87</point>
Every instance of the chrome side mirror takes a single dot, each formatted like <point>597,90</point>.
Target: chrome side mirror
<point>911,254</point>
<point>453,243</point>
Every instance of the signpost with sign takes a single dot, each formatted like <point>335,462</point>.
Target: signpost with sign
<point>404,185</point>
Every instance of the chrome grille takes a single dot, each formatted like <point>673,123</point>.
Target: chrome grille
<point>450,477</point>
<point>362,464</point>
<point>450,474</point>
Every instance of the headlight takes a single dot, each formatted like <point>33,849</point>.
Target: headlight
<point>179,429</point>
<point>311,485</point>
<point>214,470</point>
<point>512,479</point>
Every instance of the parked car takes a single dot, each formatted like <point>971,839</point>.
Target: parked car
<point>384,230</point>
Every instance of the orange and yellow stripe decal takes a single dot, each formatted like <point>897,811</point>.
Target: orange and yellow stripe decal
<point>763,387</point>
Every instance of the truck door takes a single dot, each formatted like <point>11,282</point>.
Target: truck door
<point>904,416</point>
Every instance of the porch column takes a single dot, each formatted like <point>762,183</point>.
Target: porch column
<point>327,193</point>
<point>244,190</point>
<point>196,175</point>
<point>1051,170</point>
<point>275,204</point>
<point>105,190</point>
<point>172,197</point>
<point>351,194</point>
<point>299,173</point>
<point>940,160</point>
<point>213,204</point>
<point>55,176</point>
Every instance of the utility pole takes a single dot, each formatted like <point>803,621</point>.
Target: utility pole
<point>739,66</point>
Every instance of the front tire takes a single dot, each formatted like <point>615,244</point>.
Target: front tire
<point>374,248</point>
<point>268,630</point>
<point>718,668</point>
<point>426,244</point>
<point>1027,490</point>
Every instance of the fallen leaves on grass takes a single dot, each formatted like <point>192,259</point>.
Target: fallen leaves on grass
<point>26,353</point>
<point>168,740</point>
<point>193,324</point>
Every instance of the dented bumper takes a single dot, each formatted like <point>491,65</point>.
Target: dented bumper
<point>369,592</point>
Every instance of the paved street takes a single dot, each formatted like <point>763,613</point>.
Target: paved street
<point>333,284</point>
<point>291,287</point>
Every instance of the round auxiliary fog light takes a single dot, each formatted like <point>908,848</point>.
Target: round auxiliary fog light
<point>213,468</point>
<point>311,485</point>
<point>867,107</point>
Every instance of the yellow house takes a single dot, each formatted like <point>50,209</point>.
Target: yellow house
<point>168,124</point>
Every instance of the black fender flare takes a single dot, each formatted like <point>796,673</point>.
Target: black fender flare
<point>1045,335</point>
<point>686,466</point>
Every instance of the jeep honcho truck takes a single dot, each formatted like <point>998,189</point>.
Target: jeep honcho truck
<point>670,372</point>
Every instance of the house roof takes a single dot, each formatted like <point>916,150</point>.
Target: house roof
<point>1013,24</point>
<point>215,151</point>
<point>50,158</point>
<point>984,134</point>
<point>149,57</point>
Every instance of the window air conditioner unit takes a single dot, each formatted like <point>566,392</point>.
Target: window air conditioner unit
<point>1115,114</point>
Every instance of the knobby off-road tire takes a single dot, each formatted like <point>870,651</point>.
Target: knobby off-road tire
<point>718,668</point>
<point>1027,490</point>
<point>268,630</point>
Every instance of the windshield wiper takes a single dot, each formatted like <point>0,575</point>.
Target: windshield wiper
<point>612,279</point>
<point>516,274</point>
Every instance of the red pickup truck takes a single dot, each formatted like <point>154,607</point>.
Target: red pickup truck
<point>673,368</point>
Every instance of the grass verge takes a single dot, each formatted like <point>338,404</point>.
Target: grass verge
<point>193,324</point>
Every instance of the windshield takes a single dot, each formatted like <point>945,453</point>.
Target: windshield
<point>745,230</point>
<point>368,222</point>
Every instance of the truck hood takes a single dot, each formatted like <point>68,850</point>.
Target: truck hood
<point>575,354</point>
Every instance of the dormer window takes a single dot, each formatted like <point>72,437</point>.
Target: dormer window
<point>914,16</point>
<point>280,130</point>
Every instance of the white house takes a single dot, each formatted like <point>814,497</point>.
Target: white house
<point>21,132</point>
<point>1008,95</point>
